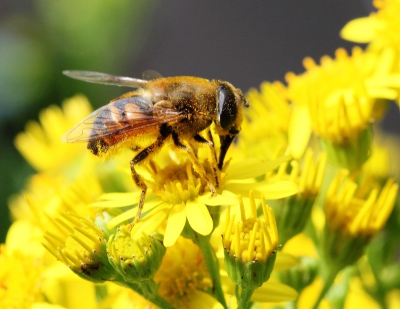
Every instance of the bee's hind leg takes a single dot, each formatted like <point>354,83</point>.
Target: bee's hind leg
<point>138,180</point>
<point>197,166</point>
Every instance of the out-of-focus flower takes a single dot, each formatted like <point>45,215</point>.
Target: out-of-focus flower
<point>380,29</point>
<point>265,123</point>
<point>81,245</point>
<point>339,99</point>
<point>40,144</point>
<point>293,212</point>
<point>250,246</point>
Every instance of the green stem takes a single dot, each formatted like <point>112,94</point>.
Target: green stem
<point>213,266</point>
<point>329,279</point>
<point>244,299</point>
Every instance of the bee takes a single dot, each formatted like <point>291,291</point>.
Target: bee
<point>176,108</point>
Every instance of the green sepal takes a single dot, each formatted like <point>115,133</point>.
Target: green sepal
<point>301,275</point>
<point>250,275</point>
<point>135,259</point>
<point>350,154</point>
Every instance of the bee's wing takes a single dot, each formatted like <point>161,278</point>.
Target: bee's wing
<point>107,79</point>
<point>127,115</point>
<point>151,74</point>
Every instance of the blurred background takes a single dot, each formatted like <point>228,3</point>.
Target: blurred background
<point>241,42</point>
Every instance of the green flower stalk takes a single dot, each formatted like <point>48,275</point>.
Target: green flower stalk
<point>250,250</point>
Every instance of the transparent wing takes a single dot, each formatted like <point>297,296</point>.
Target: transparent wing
<point>124,116</point>
<point>107,79</point>
<point>151,74</point>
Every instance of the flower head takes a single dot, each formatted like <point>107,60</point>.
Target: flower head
<point>250,246</point>
<point>40,144</point>
<point>135,259</point>
<point>266,122</point>
<point>82,246</point>
<point>354,214</point>
<point>293,212</point>
<point>381,28</point>
<point>340,98</point>
<point>183,276</point>
<point>21,277</point>
<point>180,195</point>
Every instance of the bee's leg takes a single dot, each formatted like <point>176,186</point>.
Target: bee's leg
<point>165,131</point>
<point>198,138</point>
<point>197,166</point>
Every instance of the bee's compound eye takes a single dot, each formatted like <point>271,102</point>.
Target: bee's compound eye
<point>227,108</point>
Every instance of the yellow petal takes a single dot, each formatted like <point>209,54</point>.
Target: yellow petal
<point>152,221</point>
<point>199,218</point>
<point>274,292</point>
<point>299,131</point>
<point>175,224</point>
<point>218,200</point>
<point>253,167</point>
<point>132,212</point>
<point>201,300</point>
<point>284,261</point>
<point>360,30</point>
<point>270,191</point>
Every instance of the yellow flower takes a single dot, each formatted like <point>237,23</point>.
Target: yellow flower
<point>265,123</point>
<point>40,144</point>
<point>48,194</point>
<point>354,214</point>
<point>380,29</point>
<point>358,210</point>
<point>180,195</point>
<point>293,212</point>
<point>250,249</point>
<point>183,277</point>
<point>81,245</point>
<point>21,279</point>
<point>339,98</point>
<point>343,89</point>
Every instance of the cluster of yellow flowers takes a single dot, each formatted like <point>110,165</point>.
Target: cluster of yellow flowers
<point>307,189</point>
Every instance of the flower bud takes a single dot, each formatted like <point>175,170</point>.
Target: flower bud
<point>135,259</point>
<point>250,247</point>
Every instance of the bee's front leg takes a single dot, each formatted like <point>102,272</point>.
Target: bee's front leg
<point>197,166</point>
<point>138,180</point>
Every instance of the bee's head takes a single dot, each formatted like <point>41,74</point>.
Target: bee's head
<point>230,102</point>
